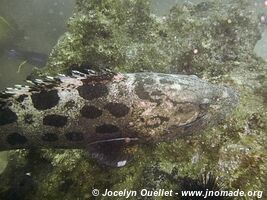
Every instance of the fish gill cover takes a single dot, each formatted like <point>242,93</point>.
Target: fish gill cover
<point>213,39</point>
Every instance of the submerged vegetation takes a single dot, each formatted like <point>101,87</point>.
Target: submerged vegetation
<point>213,39</point>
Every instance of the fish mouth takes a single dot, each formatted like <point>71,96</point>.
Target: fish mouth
<point>197,123</point>
<point>199,120</point>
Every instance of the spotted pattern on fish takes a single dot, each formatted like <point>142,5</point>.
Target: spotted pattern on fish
<point>74,136</point>
<point>82,109</point>
<point>7,116</point>
<point>44,100</point>
<point>91,92</point>
<point>117,109</point>
<point>90,112</point>
<point>55,120</point>
<point>107,128</point>
<point>16,139</point>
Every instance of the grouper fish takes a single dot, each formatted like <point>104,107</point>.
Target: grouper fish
<point>106,113</point>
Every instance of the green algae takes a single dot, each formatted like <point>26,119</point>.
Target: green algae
<point>214,39</point>
<point>221,33</point>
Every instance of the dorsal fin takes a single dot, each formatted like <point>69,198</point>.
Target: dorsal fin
<point>90,76</point>
<point>83,76</point>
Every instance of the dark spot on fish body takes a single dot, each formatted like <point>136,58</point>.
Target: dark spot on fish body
<point>74,136</point>
<point>93,91</point>
<point>139,88</point>
<point>143,94</point>
<point>45,99</point>
<point>117,109</point>
<point>7,116</point>
<point>107,128</point>
<point>50,137</point>
<point>90,112</point>
<point>55,120</point>
<point>28,119</point>
<point>21,98</point>
<point>16,139</point>
<point>4,96</point>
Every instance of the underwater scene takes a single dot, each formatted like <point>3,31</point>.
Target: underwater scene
<point>133,99</point>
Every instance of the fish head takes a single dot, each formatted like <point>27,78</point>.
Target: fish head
<point>175,106</point>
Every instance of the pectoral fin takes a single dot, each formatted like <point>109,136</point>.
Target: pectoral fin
<point>113,152</point>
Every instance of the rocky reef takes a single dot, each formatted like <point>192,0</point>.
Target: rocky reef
<point>213,39</point>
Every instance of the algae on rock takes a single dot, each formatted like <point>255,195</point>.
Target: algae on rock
<point>123,35</point>
<point>214,39</point>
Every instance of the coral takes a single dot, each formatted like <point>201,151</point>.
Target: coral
<point>214,39</point>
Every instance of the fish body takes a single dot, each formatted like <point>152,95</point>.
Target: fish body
<point>34,58</point>
<point>84,110</point>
